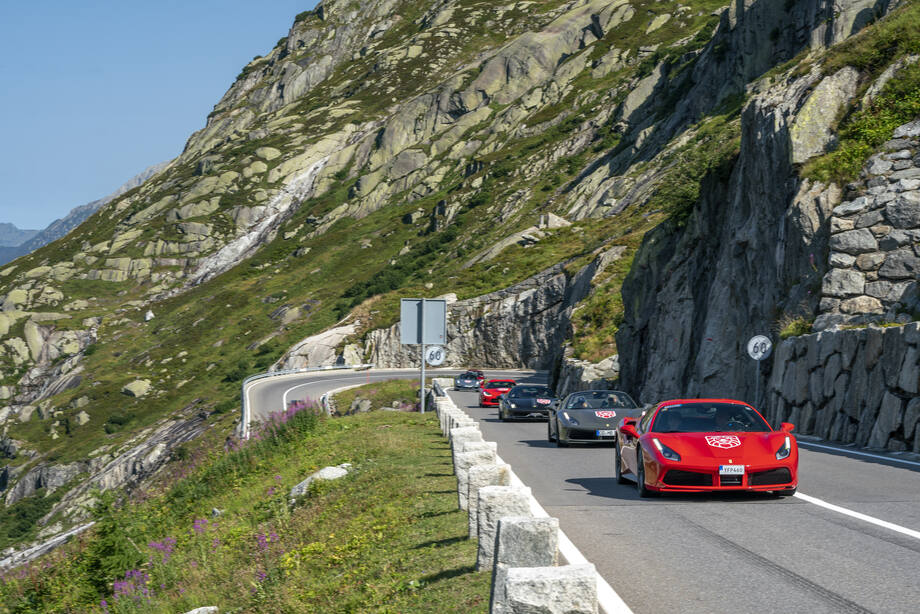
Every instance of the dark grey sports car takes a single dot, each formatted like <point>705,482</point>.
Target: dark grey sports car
<point>526,401</point>
<point>590,416</point>
<point>470,379</point>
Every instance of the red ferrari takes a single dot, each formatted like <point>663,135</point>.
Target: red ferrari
<point>704,445</point>
<point>492,389</point>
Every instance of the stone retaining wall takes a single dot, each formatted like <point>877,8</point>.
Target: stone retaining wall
<point>853,386</point>
<point>875,241</point>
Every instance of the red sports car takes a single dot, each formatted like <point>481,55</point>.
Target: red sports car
<point>697,445</point>
<point>492,389</point>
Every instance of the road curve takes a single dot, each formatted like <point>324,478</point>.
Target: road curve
<point>273,393</point>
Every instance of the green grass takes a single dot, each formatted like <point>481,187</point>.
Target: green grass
<point>862,131</point>
<point>387,538</point>
<point>794,326</point>
<point>398,393</point>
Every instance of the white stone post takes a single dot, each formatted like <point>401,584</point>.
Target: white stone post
<point>497,502</point>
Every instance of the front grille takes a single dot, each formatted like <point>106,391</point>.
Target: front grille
<point>730,480</point>
<point>677,477</point>
<point>586,434</point>
<point>781,475</point>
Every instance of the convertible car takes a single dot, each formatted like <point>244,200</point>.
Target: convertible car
<point>470,379</point>
<point>701,445</point>
<point>589,416</point>
<point>526,401</point>
<point>492,389</point>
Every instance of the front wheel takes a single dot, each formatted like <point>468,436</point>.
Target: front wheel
<point>618,464</point>
<point>560,442</point>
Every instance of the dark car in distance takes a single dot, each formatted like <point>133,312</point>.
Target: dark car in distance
<point>469,379</point>
<point>526,401</point>
<point>590,416</point>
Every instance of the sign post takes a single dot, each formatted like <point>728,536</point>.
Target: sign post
<point>758,348</point>
<point>423,322</point>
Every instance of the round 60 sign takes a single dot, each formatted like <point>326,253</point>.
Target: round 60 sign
<point>435,355</point>
<point>759,347</point>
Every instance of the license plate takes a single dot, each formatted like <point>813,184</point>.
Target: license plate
<point>731,469</point>
<point>606,432</point>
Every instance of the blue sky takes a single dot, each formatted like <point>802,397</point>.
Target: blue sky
<point>95,91</point>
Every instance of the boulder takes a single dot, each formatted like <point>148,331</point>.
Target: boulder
<point>82,418</point>
<point>324,474</point>
<point>268,153</point>
<point>137,388</point>
<point>810,133</point>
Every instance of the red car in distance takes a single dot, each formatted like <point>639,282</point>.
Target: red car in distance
<point>492,389</point>
<point>705,445</point>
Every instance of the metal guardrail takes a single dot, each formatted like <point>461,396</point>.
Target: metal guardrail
<point>245,429</point>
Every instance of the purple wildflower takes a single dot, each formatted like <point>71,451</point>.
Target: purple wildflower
<point>200,525</point>
<point>165,547</point>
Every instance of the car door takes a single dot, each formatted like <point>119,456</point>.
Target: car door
<point>628,445</point>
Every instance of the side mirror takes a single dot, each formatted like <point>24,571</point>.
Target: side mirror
<point>786,427</point>
<point>629,430</point>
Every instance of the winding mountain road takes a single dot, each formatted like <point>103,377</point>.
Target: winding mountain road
<point>848,542</point>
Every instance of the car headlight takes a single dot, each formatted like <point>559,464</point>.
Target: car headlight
<point>784,450</point>
<point>666,452</point>
<point>569,418</point>
<point>513,406</point>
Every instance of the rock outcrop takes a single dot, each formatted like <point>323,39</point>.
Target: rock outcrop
<point>523,326</point>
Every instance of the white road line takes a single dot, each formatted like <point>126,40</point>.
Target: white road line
<point>848,451</point>
<point>870,519</point>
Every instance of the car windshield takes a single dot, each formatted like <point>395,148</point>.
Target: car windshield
<point>468,376</point>
<point>529,392</point>
<point>599,399</point>
<point>708,418</point>
<point>495,383</point>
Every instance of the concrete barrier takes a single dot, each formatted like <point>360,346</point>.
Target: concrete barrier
<point>570,589</point>
<point>463,434</point>
<point>469,454</point>
<point>493,474</point>
<point>521,541</point>
<point>496,502</point>
<point>575,588</point>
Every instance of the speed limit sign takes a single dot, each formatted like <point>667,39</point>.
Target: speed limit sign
<point>435,355</point>
<point>759,347</point>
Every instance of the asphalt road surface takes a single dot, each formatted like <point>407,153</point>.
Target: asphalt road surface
<point>738,553</point>
<point>733,553</point>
